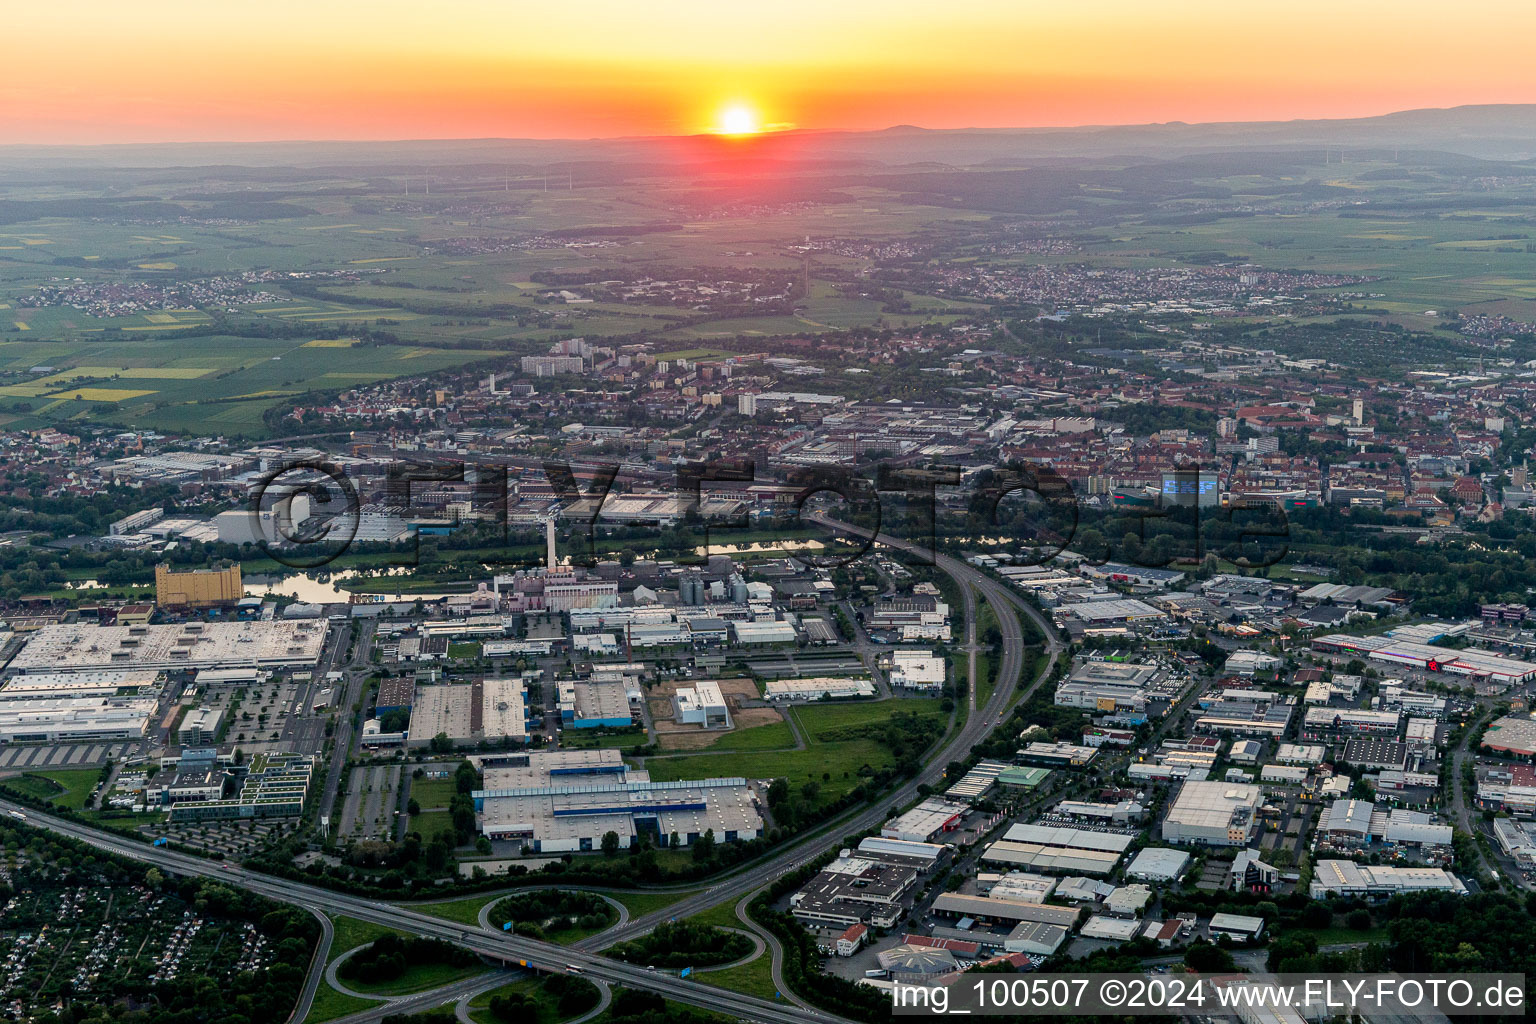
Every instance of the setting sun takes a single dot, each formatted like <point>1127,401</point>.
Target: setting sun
<point>739,119</point>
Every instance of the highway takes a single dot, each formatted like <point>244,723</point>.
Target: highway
<point>502,947</point>
<point>977,725</point>
<point>584,958</point>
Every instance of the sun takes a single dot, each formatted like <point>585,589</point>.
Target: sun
<point>739,119</point>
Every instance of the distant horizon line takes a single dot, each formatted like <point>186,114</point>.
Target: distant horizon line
<point>747,139</point>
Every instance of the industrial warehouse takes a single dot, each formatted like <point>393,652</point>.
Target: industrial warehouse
<point>1054,848</point>
<point>1393,649</point>
<point>75,647</point>
<point>566,801</point>
<point>490,709</point>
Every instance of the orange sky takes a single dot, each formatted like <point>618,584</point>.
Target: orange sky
<point>178,70</point>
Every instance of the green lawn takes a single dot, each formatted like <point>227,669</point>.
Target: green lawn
<point>65,787</point>
<point>841,761</point>
<point>464,650</point>
<point>417,978</point>
<point>431,793</point>
<point>330,1004</point>
<point>465,911</point>
<point>641,902</point>
<point>754,978</point>
<point>771,736</point>
<point>430,823</point>
<point>817,719</point>
<point>351,933</point>
<point>720,916</point>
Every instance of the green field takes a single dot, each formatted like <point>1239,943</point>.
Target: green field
<point>641,902</point>
<point>221,383</point>
<point>817,719</point>
<point>771,736</point>
<point>330,1004</point>
<point>754,978</point>
<point>430,793</point>
<point>351,933</point>
<point>64,787</point>
<point>465,911</point>
<point>837,764</point>
<point>417,978</point>
<point>430,823</point>
<point>842,761</point>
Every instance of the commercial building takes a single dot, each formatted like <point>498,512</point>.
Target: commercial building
<point>818,688</point>
<point>74,719</point>
<point>768,632</point>
<point>1213,814</point>
<point>1375,753</point>
<point>1331,723</point>
<point>565,593</point>
<point>397,693</point>
<point>976,782</point>
<point>1300,753</point>
<point>854,890</point>
<point>1058,849</point>
<point>1035,938</point>
<point>200,727</point>
<point>1057,755</point>
<point>75,647</point>
<point>1158,864</point>
<point>1023,778</point>
<point>991,909</point>
<point>1237,927</point>
<point>930,818</point>
<point>1245,718</point>
<point>273,786</point>
<point>1510,788</point>
<point>102,683</point>
<point>595,704</point>
<point>567,800</point>
<point>490,709</point>
<point>1518,841</point>
<point>1458,661</point>
<point>927,855</point>
<point>198,588</point>
<point>1346,878</point>
<point>703,704</point>
<point>917,670</point>
<point>1284,774</point>
<point>1514,735</point>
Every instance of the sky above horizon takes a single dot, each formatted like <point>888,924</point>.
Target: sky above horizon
<point>178,70</point>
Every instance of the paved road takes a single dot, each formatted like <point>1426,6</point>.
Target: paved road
<point>805,849</point>
<point>582,958</point>
<point>511,950</point>
<point>316,968</point>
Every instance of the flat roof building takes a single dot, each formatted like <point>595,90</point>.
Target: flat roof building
<point>1213,814</point>
<point>74,647</point>
<point>566,800</point>
<point>818,688</point>
<point>200,727</point>
<point>1059,849</point>
<point>490,709</point>
<point>930,818</point>
<point>74,719</point>
<point>1346,878</point>
<point>1158,864</point>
